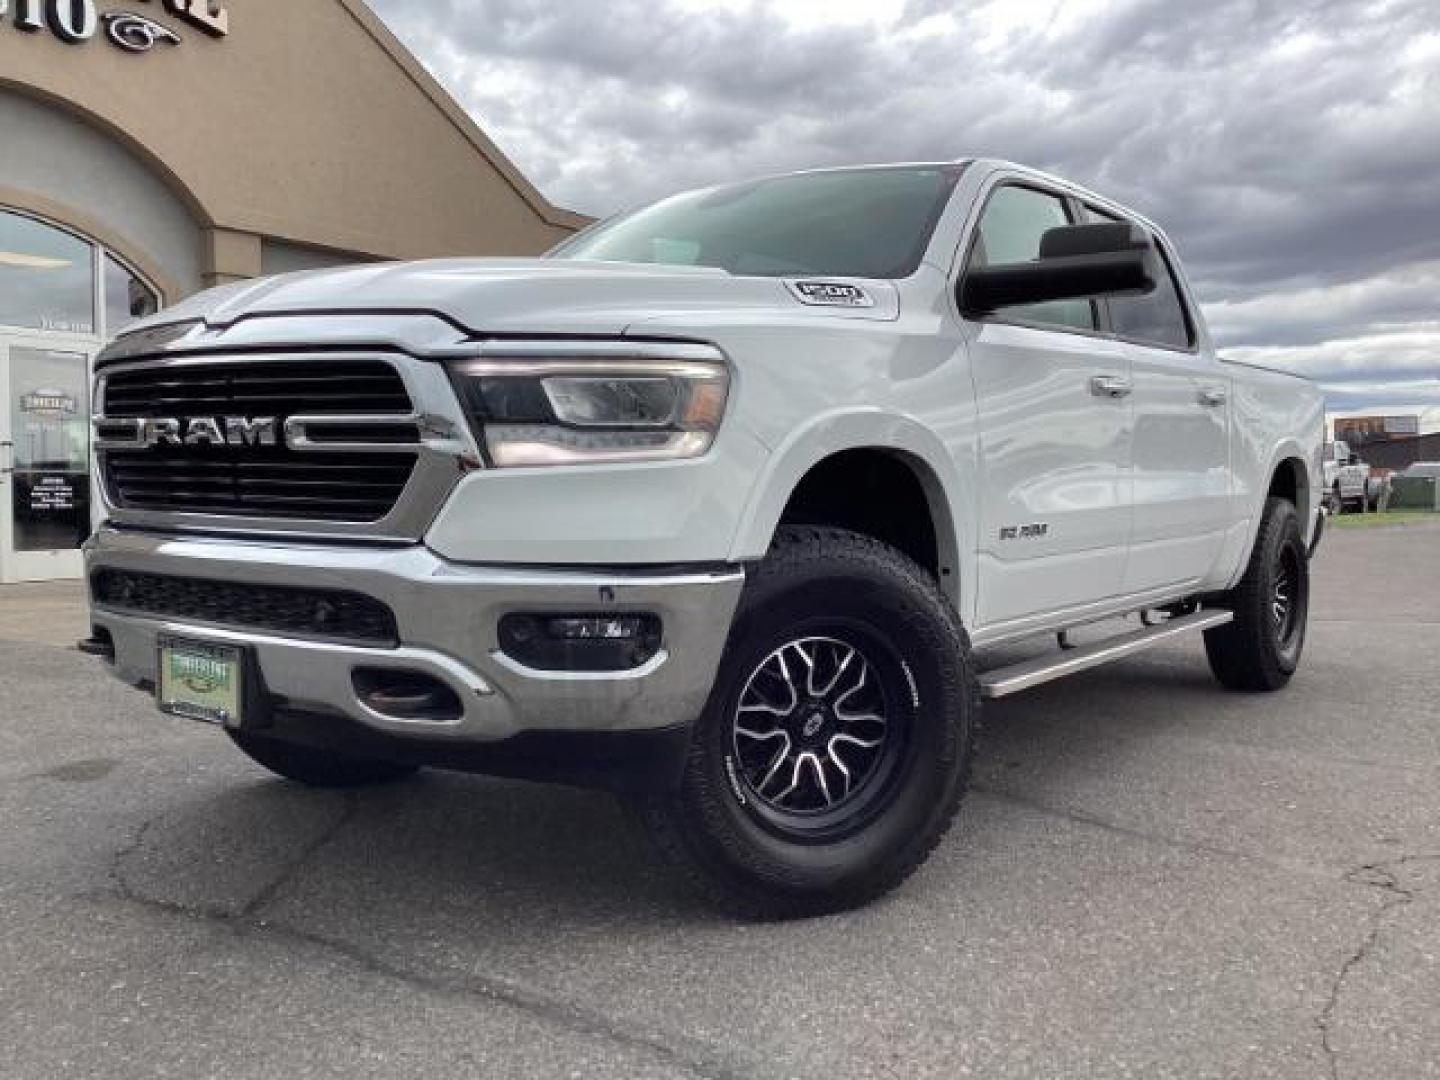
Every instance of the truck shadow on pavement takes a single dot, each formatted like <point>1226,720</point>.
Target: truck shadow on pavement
<point>442,847</point>
<point>256,847</point>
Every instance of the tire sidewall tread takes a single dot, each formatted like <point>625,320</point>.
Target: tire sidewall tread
<point>714,840</point>
<point>1244,654</point>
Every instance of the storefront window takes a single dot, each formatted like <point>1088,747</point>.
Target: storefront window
<point>47,277</point>
<point>127,298</point>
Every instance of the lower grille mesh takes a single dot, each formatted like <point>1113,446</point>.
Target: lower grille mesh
<point>273,483</point>
<point>311,613</point>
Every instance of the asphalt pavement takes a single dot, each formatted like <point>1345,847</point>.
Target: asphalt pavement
<point>1152,878</point>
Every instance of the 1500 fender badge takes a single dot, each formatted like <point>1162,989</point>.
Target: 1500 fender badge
<point>831,294</point>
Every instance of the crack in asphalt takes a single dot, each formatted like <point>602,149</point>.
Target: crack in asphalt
<point>269,893</point>
<point>696,1058</point>
<point>1382,875</point>
<point>1079,817</point>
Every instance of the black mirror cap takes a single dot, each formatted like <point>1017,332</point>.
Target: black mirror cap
<point>1071,277</point>
<point>1098,238</point>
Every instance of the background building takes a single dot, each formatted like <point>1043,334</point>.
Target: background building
<point>1397,455</point>
<point>151,150</point>
<point>1360,431</point>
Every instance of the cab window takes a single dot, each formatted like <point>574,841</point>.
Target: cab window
<point>1011,226</point>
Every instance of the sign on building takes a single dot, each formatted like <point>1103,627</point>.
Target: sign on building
<point>78,21</point>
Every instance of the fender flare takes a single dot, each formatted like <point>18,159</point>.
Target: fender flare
<point>948,486</point>
<point>1285,450</point>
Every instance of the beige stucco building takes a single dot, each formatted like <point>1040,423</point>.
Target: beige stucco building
<point>152,148</point>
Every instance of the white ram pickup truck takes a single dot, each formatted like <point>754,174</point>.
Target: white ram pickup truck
<point>709,506</point>
<point>1348,481</point>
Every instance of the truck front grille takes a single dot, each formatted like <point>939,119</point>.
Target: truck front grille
<point>257,481</point>
<point>324,614</point>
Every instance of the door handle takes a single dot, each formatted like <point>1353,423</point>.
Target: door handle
<point>1110,386</point>
<point>1212,397</point>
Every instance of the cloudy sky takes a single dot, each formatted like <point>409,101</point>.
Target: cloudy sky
<point>1290,148</point>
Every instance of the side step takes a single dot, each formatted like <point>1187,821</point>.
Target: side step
<point>1002,682</point>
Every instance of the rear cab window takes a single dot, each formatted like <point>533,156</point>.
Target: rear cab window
<point>1160,319</point>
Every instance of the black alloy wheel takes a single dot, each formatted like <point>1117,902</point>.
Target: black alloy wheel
<point>815,739</point>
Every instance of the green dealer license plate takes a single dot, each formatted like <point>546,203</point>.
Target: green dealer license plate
<point>201,681</point>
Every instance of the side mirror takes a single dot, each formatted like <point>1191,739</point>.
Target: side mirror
<point>1077,262</point>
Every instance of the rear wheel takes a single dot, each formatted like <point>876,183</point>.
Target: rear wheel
<point>314,767</point>
<point>833,753</point>
<point>1261,648</point>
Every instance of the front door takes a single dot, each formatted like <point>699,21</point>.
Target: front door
<point>1055,423</point>
<point>45,495</point>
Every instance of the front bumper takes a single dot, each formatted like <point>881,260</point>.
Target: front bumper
<point>447,615</point>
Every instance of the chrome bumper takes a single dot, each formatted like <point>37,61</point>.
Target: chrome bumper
<point>448,615</point>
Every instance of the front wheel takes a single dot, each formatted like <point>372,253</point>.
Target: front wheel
<point>834,750</point>
<point>1260,649</point>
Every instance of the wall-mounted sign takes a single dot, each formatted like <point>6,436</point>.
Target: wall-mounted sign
<point>77,21</point>
<point>136,33</point>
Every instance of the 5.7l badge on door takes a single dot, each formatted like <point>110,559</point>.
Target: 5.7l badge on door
<point>1025,532</point>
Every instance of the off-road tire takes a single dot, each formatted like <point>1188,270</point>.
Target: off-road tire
<point>754,860</point>
<point>1260,651</point>
<point>317,768</point>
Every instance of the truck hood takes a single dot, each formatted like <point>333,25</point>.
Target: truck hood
<point>524,296</point>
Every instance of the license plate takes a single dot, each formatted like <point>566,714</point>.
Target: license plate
<point>200,681</point>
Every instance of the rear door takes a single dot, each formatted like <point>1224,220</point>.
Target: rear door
<point>1180,455</point>
<point>1054,418</point>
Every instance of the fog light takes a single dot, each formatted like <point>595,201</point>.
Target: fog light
<point>581,642</point>
<point>617,628</point>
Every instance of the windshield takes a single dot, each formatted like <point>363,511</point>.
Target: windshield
<point>871,223</point>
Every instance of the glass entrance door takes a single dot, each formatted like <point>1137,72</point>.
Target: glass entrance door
<point>45,476</point>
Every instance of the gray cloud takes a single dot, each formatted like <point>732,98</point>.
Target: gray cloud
<point>1292,149</point>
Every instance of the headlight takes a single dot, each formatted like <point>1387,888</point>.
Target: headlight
<point>569,411</point>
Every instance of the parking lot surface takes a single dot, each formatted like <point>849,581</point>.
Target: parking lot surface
<point>1152,878</point>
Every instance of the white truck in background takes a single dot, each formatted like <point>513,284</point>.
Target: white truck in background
<point>712,506</point>
<point>1348,480</point>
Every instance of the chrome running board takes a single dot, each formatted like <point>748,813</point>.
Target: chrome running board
<point>1002,682</point>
